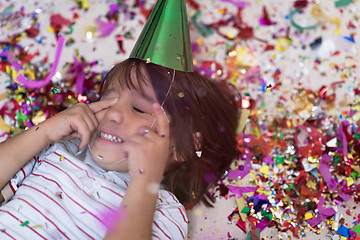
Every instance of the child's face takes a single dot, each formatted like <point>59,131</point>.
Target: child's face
<point>117,124</point>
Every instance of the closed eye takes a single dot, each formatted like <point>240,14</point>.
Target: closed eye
<point>138,110</point>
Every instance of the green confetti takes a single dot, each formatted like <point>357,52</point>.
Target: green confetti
<point>342,3</point>
<point>205,31</point>
<point>291,187</point>
<point>25,223</point>
<point>266,215</point>
<point>279,160</point>
<point>336,159</point>
<point>357,229</point>
<point>246,210</point>
<point>354,174</point>
<point>55,90</point>
<point>21,117</point>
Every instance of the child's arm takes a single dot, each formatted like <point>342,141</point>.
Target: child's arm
<point>147,160</point>
<point>77,121</point>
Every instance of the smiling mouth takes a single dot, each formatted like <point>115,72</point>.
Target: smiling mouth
<point>110,138</point>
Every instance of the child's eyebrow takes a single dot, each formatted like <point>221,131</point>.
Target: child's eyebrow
<point>146,97</point>
<point>139,94</point>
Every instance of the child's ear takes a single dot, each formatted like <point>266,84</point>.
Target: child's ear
<point>173,154</point>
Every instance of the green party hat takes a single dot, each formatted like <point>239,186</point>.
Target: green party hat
<point>165,39</point>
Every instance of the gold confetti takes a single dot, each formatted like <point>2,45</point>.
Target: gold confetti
<point>37,226</point>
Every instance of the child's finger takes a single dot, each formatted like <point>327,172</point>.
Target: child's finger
<point>90,117</point>
<point>75,135</point>
<point>162,120</point>
<point>83,131</point>
<point>102,104</point>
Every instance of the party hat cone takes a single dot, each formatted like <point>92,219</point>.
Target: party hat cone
<point>165,39</point>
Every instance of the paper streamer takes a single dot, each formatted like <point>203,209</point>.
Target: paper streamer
<point>78,70</point>
<point>342,136</point>
<point>323,213</point>
<point>296,25</point>
<point>238,191</point>
<point>35,83</point>
<point>325,172</point>
<point>239,174</point>
<point>239,4</point>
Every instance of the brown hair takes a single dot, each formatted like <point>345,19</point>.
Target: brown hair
<point>195,104</point>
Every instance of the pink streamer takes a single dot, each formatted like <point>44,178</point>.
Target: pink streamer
<point>239,174</point>
<point>238,191</point>
<point>239,4</point>
<point>36,83</point>
<point>344,140</point>
<point>324,170</point>
<point>344,196</point>
<point>78,70</point>
<point>323,213</point>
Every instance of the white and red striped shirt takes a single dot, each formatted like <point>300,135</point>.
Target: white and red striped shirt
<point>60,196</point>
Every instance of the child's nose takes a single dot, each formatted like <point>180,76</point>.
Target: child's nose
<point>114,114</point>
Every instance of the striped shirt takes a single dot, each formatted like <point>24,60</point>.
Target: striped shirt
<point>61,195</point>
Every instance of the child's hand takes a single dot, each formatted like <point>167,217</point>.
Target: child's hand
<point>78,121</point>
<point>148,150</point>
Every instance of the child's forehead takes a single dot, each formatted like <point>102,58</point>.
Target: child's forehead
<point>129,79</point>
<point>138,86</point>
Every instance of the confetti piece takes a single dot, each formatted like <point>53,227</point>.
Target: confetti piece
<point>245,113</point>
<point>342,3</point>
<point>37,226</point>
<point>344,231</point>
<point>25,223</point>
<point>59,195</point>
<point>4,126</point>
<point>308,215</point>
<point>104,28</point>
<point>357,229</point>
<point>198,212</point>
<point>83,4</point>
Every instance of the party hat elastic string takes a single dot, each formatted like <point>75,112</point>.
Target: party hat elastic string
<point>167,94</point>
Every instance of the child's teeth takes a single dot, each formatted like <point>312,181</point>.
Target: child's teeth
<point>110,137</point>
